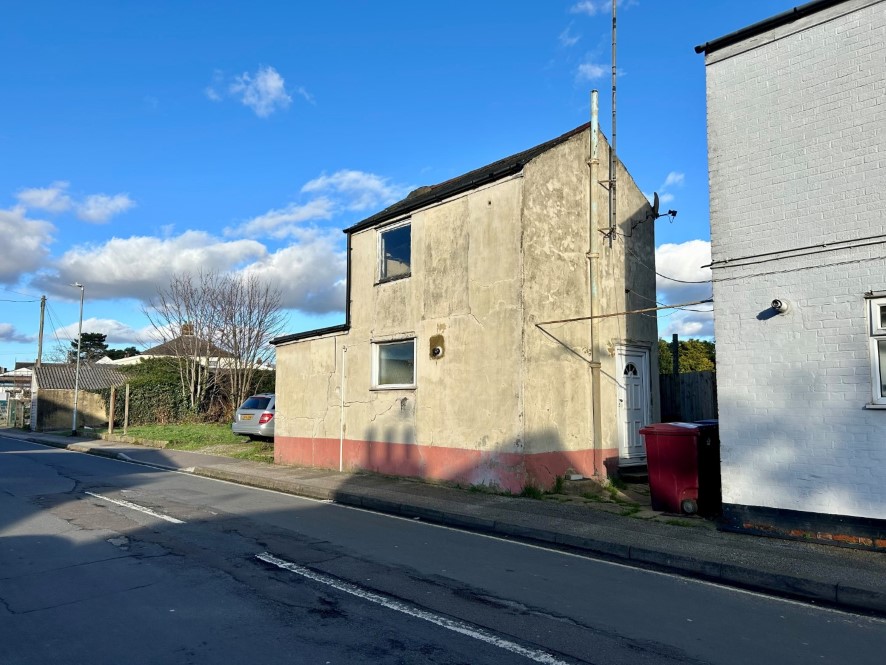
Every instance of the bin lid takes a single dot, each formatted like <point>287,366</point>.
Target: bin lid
<point>674,429</point>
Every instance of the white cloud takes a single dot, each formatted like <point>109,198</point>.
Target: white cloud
<point>300,90</point>
<point>567,38</point>
<point>594,7</point>
<point>311,275</point>
<point>211,91</point>
<point>25,244</point>
<point>96,208</point>
<point>590,71</point>
<point>360,190</point>
<point>673,178</point>
<point>99,208</point>
<point>8,333</point>
<point>310,272</point>
<point>684,262</point>
<point>686,324</point>
<point>52,199</point>
<point>588,7</point>
<point>282,222</point>
<point>264,92</point>
<point>116,331</point>
<point>135,267</point>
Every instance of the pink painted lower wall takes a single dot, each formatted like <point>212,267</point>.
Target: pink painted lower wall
<point>508,471</point>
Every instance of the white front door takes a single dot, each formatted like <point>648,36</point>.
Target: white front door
<point>634,402</point>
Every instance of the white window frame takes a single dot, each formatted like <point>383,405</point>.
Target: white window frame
<point>376,346</point>
<point>877,335</point>
<point>380,277</point>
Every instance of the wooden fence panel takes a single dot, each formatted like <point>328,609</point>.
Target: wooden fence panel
<point>688,397</point>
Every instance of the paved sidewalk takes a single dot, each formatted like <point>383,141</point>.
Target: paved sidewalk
<point>847,578</point>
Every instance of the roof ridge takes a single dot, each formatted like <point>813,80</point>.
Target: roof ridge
<point>470,180</point>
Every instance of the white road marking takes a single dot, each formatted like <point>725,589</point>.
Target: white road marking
<point>589,556</point>
<point>449,624</point>
<point>129,504</point>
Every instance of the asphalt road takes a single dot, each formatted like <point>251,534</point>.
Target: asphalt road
<point>102,561</point>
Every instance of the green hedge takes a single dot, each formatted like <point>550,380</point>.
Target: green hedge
<point>155,395</point>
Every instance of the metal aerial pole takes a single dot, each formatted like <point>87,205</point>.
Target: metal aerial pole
<point>612,163</point>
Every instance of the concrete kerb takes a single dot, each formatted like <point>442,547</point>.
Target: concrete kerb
<point>728,574</point>
<point>261,482</point>
<point>848,596</point>
<point>148,443</point>
<point>832,593</point>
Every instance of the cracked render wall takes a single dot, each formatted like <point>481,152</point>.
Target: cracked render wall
<point>557,376</point>
<point>504,406</point>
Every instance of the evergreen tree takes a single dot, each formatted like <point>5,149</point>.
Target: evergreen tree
<point>92,347</point>
<point>696,355</point>
<point>128,352</point>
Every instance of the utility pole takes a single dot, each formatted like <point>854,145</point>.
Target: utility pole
<point>40,336</point>
<point>77,371</point>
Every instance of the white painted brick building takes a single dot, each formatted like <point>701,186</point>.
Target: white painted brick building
<point>797,150</point>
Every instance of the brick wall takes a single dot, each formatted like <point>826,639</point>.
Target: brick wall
<point>797,151</point>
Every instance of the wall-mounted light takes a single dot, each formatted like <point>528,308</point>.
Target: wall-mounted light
<point>437,347</point>
<point>780,306</point>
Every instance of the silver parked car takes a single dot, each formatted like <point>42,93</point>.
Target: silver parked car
<point>255,417</point>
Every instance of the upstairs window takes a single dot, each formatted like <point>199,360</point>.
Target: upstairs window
<point>395,252</point>
<point>394,364</point>
<point>877,318</point>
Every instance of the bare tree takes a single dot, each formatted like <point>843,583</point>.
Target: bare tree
<point>214,323</point>
<point>186,318</point>
<point>251,317</point>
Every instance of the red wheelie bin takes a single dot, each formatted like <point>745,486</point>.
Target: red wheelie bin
<point>683,460</point>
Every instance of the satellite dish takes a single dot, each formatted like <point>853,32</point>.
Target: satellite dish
<point>655,214</point>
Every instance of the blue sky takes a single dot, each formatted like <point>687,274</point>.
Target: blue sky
<point>142,139</point>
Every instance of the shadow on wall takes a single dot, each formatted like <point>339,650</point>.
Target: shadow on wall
<point>494,468</point>
<point>55,409</point>
<point>783,460</point>
<point>510,465</point>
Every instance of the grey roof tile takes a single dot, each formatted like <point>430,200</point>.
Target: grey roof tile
<point>427,195</point>
<point>61,376</point>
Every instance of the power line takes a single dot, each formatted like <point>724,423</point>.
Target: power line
<point>673,279</point>
<point>633,311</point>
<point>683,309</point>
<point>53,321</point>
<point>789,270</point>
<point>799,251</point>
<point>19,293</point>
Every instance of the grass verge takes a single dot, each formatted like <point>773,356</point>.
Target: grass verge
<point>211,438</point>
